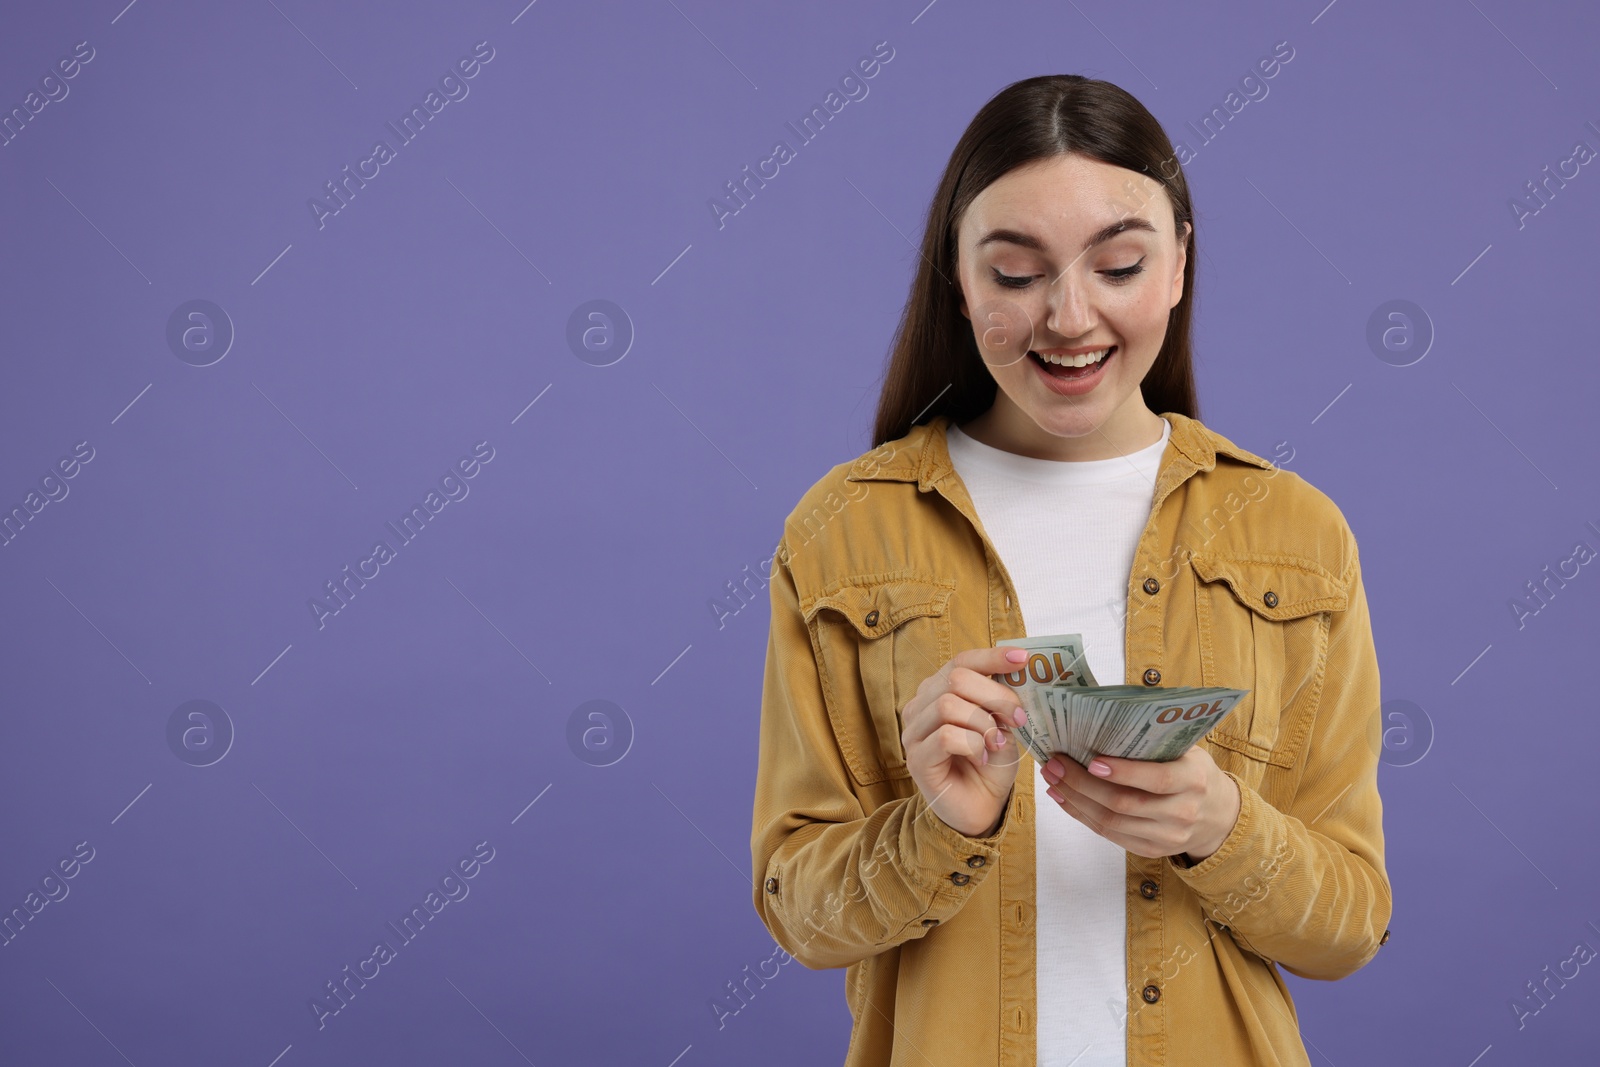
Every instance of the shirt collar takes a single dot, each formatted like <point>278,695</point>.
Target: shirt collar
<point>923,455</point>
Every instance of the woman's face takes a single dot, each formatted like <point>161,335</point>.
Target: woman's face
<point>1069,254</point>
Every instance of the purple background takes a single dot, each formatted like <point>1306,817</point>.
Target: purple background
<point>370,754</point>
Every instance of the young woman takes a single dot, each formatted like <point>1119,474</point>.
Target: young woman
<point>1123,912</point>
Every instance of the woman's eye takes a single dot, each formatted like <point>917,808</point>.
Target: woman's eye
<point>1119,275</point>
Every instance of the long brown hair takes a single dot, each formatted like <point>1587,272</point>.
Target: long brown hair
<point>934,367</point>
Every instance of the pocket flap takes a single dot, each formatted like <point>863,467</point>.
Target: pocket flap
<point>875,604</point>
<point>1274,587</point>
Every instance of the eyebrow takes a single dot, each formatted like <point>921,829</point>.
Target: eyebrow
<point>1104,233</point>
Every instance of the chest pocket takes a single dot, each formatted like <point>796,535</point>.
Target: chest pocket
<point>1263,625</point>
<point>876,638</point>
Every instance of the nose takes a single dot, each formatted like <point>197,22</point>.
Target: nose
<point>1071,313</point>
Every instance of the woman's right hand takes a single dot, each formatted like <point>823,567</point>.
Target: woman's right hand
<point>958,742</point>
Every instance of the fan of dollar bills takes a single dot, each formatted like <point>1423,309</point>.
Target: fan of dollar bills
<point>1068,712</point>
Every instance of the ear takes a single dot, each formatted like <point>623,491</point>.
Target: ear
<point>1183,259</point>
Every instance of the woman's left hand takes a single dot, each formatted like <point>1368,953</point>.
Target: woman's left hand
<point>1152,809</point>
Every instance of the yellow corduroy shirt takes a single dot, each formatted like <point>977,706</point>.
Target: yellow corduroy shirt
<point>1245,576</point>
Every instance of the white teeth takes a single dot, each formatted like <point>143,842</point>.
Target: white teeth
<point>1075,361</point>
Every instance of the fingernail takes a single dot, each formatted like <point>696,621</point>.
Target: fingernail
<point>1096,767</point>
<point>985,757</point>
<point>1001,743</point>
<point>1017,655</point>
<point>1019,716</point>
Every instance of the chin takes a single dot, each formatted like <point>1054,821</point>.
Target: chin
<point>1072,420</point>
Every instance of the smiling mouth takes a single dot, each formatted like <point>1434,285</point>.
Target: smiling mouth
<point>1069,367</point>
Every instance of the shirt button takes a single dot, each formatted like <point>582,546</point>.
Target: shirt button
<point>975,861</point>
<point>1151,585</point>
<point>1148,890</point>
<point>772,885</point>
<point>1151,994</point>
<point>1270,599</point>
<point>1152,677</point>
<point>960,879</point>
<point>930,922</point>
<point>872,617</point>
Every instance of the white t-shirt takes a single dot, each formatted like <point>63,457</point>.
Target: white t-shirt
<point>1067,532</point>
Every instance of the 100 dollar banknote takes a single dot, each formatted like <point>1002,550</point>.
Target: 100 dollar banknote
<point>1067,712</point>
